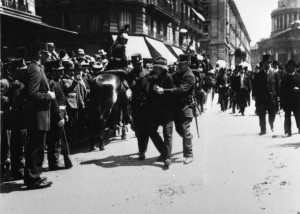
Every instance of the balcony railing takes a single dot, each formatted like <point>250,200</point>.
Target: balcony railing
<point>14,4</point>
<point>167,8</point>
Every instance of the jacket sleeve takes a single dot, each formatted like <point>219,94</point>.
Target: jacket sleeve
<point>185,86</point>
<point>34,81</point>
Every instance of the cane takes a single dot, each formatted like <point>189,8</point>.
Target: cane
<point>282,128</point>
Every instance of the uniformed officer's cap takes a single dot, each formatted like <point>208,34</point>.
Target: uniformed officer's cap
<point>136,58</point>
<point>160,62</point>
<point>50,45</point>
<point>183,58</point>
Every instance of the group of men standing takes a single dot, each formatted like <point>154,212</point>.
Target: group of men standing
<point>274,90</point>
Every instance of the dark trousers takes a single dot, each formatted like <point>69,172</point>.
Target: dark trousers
<point>17,143</point>
<point>53,146</point>
<point>34,155</point>
<point>262,117</point>
<point>183,128</point>
<point>139,116</point>
<point>288,122</point>
<point>72,125</point>
<point>164,146</point>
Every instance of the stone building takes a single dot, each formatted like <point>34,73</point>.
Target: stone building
<point>284,42</point>
<point>21,26</point>
<point>157,27</point>
<point>225,35</point>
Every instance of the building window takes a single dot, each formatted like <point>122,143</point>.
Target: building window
<point>66,20</point>
<point>95,23</point>
<point>125,18</point>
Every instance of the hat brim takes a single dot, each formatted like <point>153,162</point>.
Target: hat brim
<point>59,68</point>
<point>160,66</point>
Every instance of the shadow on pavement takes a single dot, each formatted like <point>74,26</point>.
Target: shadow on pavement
<point>128,160</point>
<point>8,187</point>
<point>289,145</point>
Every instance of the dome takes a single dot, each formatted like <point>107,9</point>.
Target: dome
<point>288,3</point>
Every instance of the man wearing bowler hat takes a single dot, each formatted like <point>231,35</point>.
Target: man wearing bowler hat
<point>184,81</point>
<point>290,97</point>
<point>138,106</point>
<point>265,94</point>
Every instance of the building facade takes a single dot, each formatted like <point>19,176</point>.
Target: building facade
<point>225,35</point>
<point>21,26</point>
<point>159,22</point>
<point>284,42</point>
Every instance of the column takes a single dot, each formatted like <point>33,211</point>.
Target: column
<point>289,55</point>
<point>283,22</point>
<point>276,55</point>
<point>288,20</point>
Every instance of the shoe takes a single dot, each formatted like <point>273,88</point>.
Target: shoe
<point>68,162</point>
<point>160,158</point>
<point>142,156</point>
<point>167,162</point>
<point>188,160</point>
<point>262,133</point>
<point>39,184</point>
<point>287,135</point>
<point>55,167</point>
<point>101,148</point>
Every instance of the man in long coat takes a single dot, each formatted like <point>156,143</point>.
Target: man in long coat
<point>265,94</point>
<point>290,97</point>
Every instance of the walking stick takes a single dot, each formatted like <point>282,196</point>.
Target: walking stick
<point>196,114</point>
<point>282,128</point>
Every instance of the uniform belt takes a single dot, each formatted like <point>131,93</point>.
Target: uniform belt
<point>62,107</point>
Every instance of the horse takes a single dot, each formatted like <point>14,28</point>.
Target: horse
<point>107,92</point>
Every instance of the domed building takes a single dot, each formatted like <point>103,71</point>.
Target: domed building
<point>284,42</point>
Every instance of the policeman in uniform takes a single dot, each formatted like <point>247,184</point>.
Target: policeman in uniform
<point>138,107</point>
<point>183,92</point>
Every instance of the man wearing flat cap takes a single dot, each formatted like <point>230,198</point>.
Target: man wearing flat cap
<point>183,92</point>
<point>265,92</point>
<point>161,111</point>
<point>138,106</point>
<point>290,97</point>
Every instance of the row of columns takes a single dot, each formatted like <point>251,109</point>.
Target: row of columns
<point>281,22</point>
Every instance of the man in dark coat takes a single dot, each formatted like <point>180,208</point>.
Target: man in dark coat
<point>183,92</point>
<point>138,107</point>
<point>161,110</point>
<point>290,97</point>
<point>244,89</point>
<point>40,98</point>
<point>265,94</point>
<point>56,138</point>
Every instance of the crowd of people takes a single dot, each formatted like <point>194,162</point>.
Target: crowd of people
<point>272,86</point>
<point>45,102</point>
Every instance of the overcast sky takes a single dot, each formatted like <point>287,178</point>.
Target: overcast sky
<point>256,15</point>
